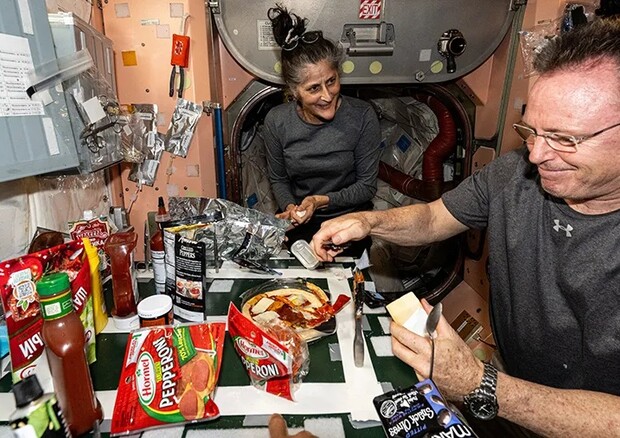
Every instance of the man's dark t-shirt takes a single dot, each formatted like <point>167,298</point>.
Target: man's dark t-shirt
<point>554,274</point>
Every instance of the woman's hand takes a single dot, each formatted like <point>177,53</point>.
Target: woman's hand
<point>288,214</point>
<point>304,211</point>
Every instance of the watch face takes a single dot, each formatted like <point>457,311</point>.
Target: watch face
<point>482,406</point>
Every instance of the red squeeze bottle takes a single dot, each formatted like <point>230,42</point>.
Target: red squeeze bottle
<point>120,246</point>
<point>63,334</point>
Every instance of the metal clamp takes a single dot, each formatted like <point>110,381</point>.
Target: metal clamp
<point>208,107</point>
<point>368,39</point>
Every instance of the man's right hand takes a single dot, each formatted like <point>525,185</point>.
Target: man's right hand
<point>352,226</point>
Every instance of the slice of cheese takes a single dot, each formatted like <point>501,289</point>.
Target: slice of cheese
<point>297,299</point>
<point>262,305</point>
<point>266,316</point>
<point>408,312</point>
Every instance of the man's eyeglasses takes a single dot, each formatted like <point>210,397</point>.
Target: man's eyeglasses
<point>307,38</point>
<point>558,142</point>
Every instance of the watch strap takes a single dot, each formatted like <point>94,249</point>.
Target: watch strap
<point>485,393</point>
<point>489,379</point>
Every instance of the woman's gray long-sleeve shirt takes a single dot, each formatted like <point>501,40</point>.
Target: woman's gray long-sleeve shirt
<point>339,158</point>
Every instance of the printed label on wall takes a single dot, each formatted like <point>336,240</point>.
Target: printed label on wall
<point>265,35</point>
<point>15,64</point>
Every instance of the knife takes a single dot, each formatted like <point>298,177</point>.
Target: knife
<point>358,300</point>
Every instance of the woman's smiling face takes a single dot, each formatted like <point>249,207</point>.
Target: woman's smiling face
<point>318,94</point>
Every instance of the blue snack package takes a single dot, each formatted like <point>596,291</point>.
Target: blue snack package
<point>419,411</point>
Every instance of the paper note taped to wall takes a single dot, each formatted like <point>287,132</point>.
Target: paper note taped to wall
<point>15,64</point>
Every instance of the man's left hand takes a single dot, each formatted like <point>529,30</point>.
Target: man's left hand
<point>456,372</point>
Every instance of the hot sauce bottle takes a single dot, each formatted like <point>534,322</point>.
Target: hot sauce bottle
<point>157,248</point>
<point>63,334</point>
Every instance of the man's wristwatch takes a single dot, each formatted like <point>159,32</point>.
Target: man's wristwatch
<point>482,401</point>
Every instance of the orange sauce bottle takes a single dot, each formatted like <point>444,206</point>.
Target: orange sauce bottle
<point>63,334</point>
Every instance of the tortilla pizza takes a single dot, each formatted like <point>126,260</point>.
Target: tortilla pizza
<point>301,305</point>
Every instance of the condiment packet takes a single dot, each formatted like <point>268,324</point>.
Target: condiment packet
<point>20,300</point>
<point>169,376</point>
<point>408,312</point>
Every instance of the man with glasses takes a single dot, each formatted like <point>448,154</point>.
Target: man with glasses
<point>552,211</point>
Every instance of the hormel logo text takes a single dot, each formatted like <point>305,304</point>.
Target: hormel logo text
<point>250,349</point>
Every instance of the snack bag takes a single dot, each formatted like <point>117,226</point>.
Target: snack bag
<point>419,411</point>
<point>186,254</point>
<point>169,376</point>
<point>275,357</point>
<point>20,300</point>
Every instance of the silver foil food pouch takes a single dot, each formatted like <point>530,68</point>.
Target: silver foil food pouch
<point>182,126</point>
<point>239,233</point>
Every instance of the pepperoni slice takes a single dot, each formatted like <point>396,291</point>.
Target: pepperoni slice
<point>201,374</point>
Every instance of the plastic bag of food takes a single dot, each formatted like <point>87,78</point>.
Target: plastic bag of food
<point>189,250</point>
<point>169,376</point>
<point>241,232</point>
<point>20,300</point>
<point>533,40</point>
<point>182,126</point>
<point>275,357</point>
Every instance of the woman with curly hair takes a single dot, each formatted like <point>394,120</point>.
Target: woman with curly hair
<point>322,147</point>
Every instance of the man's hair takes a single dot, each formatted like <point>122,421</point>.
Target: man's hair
<point>584,45</point>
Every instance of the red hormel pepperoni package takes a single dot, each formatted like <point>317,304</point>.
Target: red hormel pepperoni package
<point>169,376</point>
<point>20,301</point>
<point>275,356</point>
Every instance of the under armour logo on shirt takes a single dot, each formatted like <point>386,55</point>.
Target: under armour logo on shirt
<point>567,229</point>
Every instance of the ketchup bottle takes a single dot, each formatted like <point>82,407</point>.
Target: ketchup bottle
<point>156,245</point>
<point>63,334</point>
<point>120,246</point>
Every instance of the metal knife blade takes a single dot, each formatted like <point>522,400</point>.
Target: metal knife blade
<point>358,300</point>
<point>358,344</point>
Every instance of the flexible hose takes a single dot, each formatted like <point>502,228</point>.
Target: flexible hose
<point>443,145</point>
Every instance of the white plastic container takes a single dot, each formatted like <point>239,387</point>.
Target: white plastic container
<point>155,310</point>
<point>303,251</point>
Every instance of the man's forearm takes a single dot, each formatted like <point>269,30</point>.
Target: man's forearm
<point>414,225</point>
<point>558,412</point>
